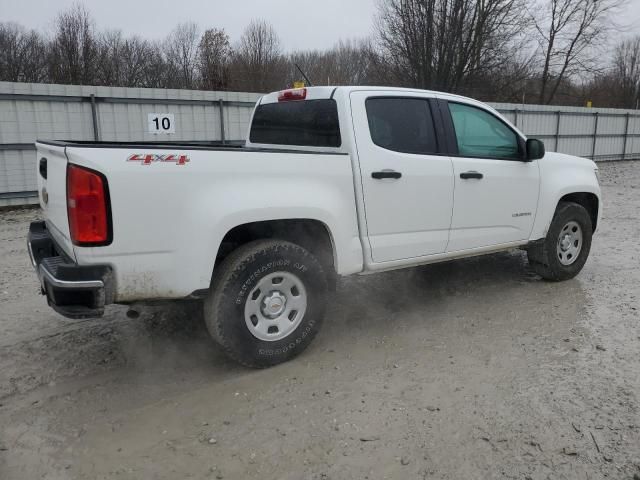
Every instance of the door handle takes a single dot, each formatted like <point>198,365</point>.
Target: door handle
<point>472,174</point>
<point>43,167</point>
<point>386,174</point>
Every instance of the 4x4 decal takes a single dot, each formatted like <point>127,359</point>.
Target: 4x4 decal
<point>149,158</point>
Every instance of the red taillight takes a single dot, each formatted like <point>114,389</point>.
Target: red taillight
<point>295,94</point>
<point>87,207</point>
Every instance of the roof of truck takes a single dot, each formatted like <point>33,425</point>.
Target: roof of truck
<point>325,92</point>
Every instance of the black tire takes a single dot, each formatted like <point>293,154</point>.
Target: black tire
<point>233,281</point>
<point>543,257</point>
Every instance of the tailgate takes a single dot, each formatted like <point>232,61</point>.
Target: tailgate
<point>52,192</point>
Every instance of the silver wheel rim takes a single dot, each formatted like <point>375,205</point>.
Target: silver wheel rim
<point>276,306</point>
<point>569,243</point>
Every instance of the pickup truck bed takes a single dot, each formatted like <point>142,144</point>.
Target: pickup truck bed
<point>171,216</point>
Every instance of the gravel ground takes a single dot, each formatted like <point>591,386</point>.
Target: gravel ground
<point>469,370</point>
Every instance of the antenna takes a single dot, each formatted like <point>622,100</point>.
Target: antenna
<point>303,75</point>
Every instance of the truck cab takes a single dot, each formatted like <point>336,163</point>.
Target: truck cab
<point>440,174</point>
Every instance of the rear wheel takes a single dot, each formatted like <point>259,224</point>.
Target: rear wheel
<point>564,251</point>
<point>266,303</point>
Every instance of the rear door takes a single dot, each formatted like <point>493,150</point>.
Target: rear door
<point>407,181</point>
<point>496,189</point>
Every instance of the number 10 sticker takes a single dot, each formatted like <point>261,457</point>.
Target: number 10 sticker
<point>161,123</point>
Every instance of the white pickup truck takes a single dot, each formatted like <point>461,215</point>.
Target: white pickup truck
<point>331,182</point>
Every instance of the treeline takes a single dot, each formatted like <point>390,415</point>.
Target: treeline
<point>550,52</point>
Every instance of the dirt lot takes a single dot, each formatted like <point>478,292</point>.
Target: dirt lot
<point>470,370</point>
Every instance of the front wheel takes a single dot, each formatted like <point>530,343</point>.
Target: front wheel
<point>266,303</point>
<point>564,251</point>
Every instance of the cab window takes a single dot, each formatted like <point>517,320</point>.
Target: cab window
<point>481,134</point>
<point>308,123</point>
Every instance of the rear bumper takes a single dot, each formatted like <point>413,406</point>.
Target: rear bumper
<point>72,290</point>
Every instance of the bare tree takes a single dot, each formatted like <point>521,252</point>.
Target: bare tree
<point>22,54</point>
<point>569,34</point>
<point>258,64</point>
<point>509,83</point>
<point>153,67</point>
<point>110,45</point>
<point>441,43</point>
<point>127,62</point>
<point>137,56</point>
<point>180,49</point>
<point>73,52</point>
<point>619,86</point>
<point>481,48</point>
<point>352,62</point>
<point>626,69</point>
<point>347,63</point>
<point>214,52</point>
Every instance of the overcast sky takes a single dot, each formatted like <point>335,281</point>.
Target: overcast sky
<point>301,24</point>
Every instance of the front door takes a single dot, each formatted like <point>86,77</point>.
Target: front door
<point>496,190</point>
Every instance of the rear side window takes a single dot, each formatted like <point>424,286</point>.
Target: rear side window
<point>310,123</point>
<point>402,124</point>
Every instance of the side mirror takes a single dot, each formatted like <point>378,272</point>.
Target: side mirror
<point>535,149</point>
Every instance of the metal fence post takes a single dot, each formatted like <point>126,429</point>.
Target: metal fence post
<point>595,137</point>
<point>557,130</point>
<point>516,117</point>
<point>94,116</point>
<point>626,136</point>
<point>221,110</point>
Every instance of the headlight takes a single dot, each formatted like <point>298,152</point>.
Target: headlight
<point>597,172</point>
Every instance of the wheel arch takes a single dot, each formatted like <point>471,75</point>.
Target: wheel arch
<point>588,200</point>
<point>311,234</point>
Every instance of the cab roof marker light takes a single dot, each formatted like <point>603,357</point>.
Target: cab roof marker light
<point>292,94</point>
